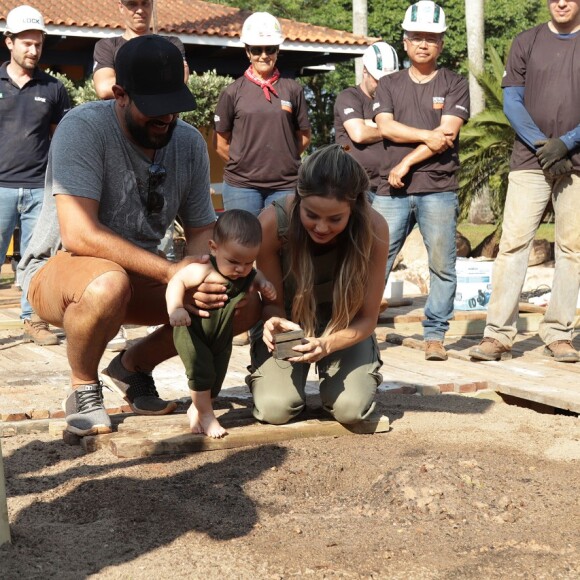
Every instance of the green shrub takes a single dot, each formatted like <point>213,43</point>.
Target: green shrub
<point>206,89</point>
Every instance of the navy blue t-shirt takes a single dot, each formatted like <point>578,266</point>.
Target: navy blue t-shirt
<point>26,115</point>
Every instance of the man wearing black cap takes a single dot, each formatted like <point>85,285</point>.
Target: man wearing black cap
<point>118,174</point>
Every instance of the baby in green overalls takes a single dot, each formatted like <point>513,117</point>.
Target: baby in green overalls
<point>205,344</point>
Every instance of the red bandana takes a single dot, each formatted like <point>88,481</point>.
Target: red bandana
<point>267,85</point>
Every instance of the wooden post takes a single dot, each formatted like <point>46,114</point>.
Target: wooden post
<point>359,26</point>
<point>4,526</point>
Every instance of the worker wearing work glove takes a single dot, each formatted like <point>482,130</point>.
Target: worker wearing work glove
<point>561,167</point>
<point>550,151</point>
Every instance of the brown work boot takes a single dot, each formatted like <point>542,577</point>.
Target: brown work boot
<point>434,350</point>
<point>562,351</point>
<point>490,349</point>
<point>36,331</point>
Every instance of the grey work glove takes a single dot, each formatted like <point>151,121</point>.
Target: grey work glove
<point>550,151</point>
<point>561,167</point>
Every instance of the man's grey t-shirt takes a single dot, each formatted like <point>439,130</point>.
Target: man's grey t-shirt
<point>90,157</point>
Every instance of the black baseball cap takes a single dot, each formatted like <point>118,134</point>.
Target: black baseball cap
<point>150,69</point>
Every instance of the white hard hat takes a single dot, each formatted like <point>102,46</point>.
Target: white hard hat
<point>262,29</point>
<point>24,18</point>
<point>425,16</point>
<point>380,59</point>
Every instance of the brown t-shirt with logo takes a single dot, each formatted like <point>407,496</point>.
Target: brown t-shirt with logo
<point>422,106</point>
<point>264,149</point>
<point>353,103</point>
<point>548,66</point>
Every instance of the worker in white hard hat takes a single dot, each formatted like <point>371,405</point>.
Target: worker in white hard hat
<point>31,105</point>
<point>419,111</point>
<point>353,111</point>
<point>261,124</point>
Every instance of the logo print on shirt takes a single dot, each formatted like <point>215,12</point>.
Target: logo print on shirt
<point>438,102</point>
<point>376,106</point>
<point>286,106</point>
<point>40,99</point>
<point>348,111</point>
<point>216,118</point>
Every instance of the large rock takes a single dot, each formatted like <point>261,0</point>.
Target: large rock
<point>463,246</point>
<point>413,249</point>
<point>539,277</point>
<point>541,252</point>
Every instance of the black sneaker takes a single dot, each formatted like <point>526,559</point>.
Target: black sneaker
<point>137,388</point>
<point>85,411</point>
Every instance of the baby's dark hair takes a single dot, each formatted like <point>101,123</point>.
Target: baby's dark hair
<point>238,225</point>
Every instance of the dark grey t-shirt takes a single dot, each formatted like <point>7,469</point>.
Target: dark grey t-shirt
<point>263,147</point>
<point>422,106</point>
<point>548,66</point>
<point>106,49</point>
<point>353,103</point>
<point>90,157</point>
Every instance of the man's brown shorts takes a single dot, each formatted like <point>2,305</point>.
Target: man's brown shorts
<point>63,279</point>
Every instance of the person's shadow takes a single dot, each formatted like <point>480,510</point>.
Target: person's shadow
<point>109,520</point>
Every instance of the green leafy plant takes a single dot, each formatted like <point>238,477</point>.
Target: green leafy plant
<point>79,92</point>
<point>486,145</point>
<point>206,89</point>
<point>85,92</point>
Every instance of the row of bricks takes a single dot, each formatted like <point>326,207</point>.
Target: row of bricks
<point>425,390</point>
<point>51,413</point>
<point>429,390</point>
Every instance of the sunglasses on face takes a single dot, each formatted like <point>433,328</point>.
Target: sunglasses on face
<point>258,50</point>
<point>155,201</point>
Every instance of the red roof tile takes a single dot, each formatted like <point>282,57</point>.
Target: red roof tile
<point>192,17</point>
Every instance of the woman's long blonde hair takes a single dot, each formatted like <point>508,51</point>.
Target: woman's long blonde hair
<point>331,172</point>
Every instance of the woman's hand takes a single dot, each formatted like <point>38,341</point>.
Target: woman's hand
<point>276,325</point>
<point>311,351</point>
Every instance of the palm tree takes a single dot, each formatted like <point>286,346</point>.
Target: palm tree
<point>486,145</point>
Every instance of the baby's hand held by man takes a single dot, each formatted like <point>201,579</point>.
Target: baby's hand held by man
<point>179,317</point>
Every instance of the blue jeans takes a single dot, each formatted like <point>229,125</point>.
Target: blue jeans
<point>436,215</point>
<point>251,199</point>
<point>19,206</point>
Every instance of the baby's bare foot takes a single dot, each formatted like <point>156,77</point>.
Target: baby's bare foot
<point>194,421</point>
<point>204,423</point>
<point>211,426</point>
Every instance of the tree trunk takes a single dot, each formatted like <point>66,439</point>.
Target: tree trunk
<point>359,26</point>
<point>475,44</point>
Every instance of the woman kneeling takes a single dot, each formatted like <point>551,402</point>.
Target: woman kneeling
<point>325,250</point>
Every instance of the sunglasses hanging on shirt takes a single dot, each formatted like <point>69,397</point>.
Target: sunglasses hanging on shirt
<point>155,200</point>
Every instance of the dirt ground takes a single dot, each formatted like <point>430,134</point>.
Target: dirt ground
<point>459,488</point>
